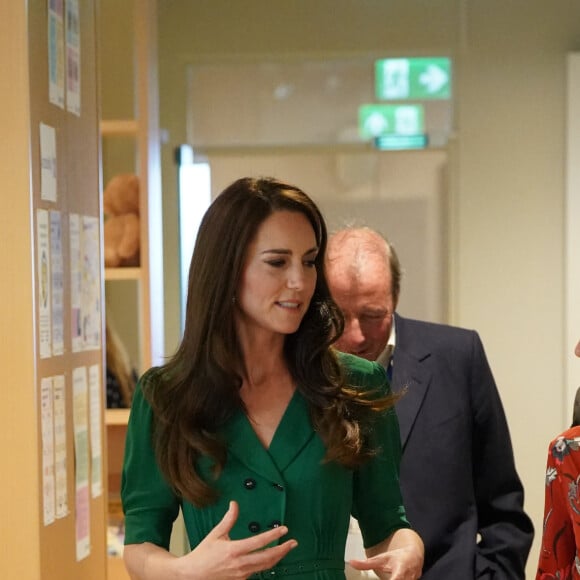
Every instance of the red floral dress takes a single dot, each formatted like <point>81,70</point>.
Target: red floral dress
<point>559,553</point>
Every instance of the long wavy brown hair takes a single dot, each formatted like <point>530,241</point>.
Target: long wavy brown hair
<point>198,390</point>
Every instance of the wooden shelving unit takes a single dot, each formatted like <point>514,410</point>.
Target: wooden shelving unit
<point>123,273</point>
<point>130,144</point>
<point>119,127</point>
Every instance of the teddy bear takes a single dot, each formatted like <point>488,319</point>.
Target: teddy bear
<point>122,225</point>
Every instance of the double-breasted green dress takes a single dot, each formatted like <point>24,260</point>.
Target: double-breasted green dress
<point>288,483</point>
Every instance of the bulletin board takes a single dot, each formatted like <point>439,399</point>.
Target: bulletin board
<point>66,210</point>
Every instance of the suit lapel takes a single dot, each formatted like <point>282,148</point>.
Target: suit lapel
<point>411,372</point>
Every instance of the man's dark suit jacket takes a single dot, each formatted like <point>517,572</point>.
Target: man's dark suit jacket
<point>458,476</point>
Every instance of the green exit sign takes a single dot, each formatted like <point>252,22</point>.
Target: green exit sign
<point>378,120</point>
<point>413,78</point>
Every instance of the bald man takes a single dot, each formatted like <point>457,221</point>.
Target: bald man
<point>459,482</point>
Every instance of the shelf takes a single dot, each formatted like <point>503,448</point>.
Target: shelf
<point>123,273</point>
<point>130,144</point>
<point>119,127</point>
<point>116,416</point>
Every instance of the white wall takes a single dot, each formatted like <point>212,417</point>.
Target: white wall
<point>509,245</point>
<point>572,310</point>
<point>507,185</point>
<point>402,196</point>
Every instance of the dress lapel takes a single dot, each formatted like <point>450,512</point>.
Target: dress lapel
<point>293,433</point>
<point>244,444</point>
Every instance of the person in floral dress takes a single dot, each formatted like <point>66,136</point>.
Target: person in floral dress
<point>560,548</point>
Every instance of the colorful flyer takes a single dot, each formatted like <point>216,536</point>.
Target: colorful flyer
<point>73,58</point>
<point>47,431</point>
<point>60,461</point>
<point>91,283</point>
<point>57,283</point>
<point>82,466</point>
<point>44,283</point>
<point>48,185</point>
<point>96,414</point>
<point>76,282</point>
<point>56,52</point>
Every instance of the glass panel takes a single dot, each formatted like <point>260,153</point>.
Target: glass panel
<point>313,102</point>
<point>401,194</point>
<point>194,199</point>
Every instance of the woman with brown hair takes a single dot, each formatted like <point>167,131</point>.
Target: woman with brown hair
<point>256,428</point>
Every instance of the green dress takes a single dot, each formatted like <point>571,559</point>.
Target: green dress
<point>285,484</point>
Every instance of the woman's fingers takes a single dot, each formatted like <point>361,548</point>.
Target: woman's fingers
<point>259,541</point>
<point>369,564</point>
<point>267,558</point>
<point>223,529</point>
<point>241,556</point>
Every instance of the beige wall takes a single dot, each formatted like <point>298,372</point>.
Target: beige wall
<point>507,165</point>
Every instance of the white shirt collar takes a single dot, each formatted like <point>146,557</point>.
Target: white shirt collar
<point>385,357</point>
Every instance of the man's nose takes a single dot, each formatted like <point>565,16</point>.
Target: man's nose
<point>353,331</point>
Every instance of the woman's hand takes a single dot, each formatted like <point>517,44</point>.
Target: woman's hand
<point>220,558</point>
<point>399,557</point>
<point>216,557</point>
